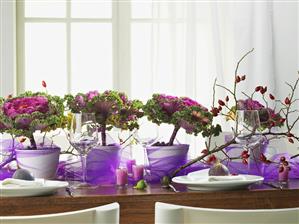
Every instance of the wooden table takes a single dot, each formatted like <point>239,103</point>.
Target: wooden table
<point>138,206</point>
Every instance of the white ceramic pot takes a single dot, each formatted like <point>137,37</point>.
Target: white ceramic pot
<point>42,163</point>
<point>163,160</point>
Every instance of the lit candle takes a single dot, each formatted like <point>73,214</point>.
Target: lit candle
<point>121,177</point>
<point>130,163</point>
<point>138,171</point>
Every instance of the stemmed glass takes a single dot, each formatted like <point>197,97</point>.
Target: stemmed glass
<point>83,136</point>
<point>147,135</point>
<point>248,128</point>
<point>248,125</point>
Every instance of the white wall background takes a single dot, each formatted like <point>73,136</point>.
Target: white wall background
<point>285,47</point>
<point>7,47</point>
<point>284,22</point>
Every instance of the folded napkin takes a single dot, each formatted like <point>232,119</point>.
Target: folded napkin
<point>11,182</point>
<point>217,178</point>
<point>225,178</point>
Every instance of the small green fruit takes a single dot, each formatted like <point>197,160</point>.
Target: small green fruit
<point>141,185</point>
<point>165,181</point>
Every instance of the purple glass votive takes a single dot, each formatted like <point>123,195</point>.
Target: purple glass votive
<point>138,171</point>
<point>121,177</point>
<point>283,174</point>
<point>130,163</point>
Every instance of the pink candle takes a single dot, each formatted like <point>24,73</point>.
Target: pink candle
<point>130,163</point>
<point>138,171</point>
<point>283,174</point>
<point>121,177</point>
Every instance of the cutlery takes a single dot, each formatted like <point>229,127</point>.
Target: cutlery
<point>69,191</point>
<point>280,187</point>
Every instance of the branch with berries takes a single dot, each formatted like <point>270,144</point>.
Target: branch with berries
<point>270,118</point>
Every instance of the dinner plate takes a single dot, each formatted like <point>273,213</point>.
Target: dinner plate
<point>49,187</point>
<point>199,181</point>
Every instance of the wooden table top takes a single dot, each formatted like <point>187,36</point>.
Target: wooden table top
<point>138,206</point>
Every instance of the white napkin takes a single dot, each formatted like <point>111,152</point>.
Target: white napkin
<point>11,182</point>
<point>217,178</point>
<point>225,178</point>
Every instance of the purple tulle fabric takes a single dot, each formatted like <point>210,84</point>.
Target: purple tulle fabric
<point>8,153</point>
<point>102,163</point>
<point>163,160</point>
<point>7,150</point>
<point>255,167</point>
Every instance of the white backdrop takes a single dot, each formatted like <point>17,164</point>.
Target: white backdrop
<point>184,59</point>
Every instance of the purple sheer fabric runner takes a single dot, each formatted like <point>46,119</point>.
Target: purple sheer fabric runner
<point>163,160</point>
<point>255,166</point>
<point>102,163</point>
<point>7,155</point>
<point>8,151</point>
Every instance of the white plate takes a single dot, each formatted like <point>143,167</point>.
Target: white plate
<point>49,187</point>
<point>198,181</point>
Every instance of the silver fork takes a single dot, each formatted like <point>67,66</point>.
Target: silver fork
<point>173,188</point>
<point>69,191</point>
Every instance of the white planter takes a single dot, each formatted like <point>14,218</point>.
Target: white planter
<point>42,163</point>
<point>163,160</point>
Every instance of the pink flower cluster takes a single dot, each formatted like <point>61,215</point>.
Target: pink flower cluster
<point>172,104</point>
<point>25,105</point>
<point>249,104</point>
<point>268,117</point>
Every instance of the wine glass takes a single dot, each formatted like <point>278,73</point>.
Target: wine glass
<point>147,134</point>
<point>248,128</point>
<point>83,136</point>
<point>248,125</point>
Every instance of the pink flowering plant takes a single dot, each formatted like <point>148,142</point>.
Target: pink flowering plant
<point>111,108</point>
<point>30,112</point>
<point>269,118</point>
<point>181,112</point>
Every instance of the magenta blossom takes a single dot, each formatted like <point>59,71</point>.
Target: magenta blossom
<point>91,94</point>
<point>80,101</point>
<point>182,112</point>
<point>189,103</point>
<point>268,117</point>
<point>249,104</point>
<point>25,105</point>
<point>172,104</point>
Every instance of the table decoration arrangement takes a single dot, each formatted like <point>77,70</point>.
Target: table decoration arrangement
<point>20,117</point>
<point>256,119</point>
<point>253,123</point>
<point>182,113</point>
<point>111,109</point>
